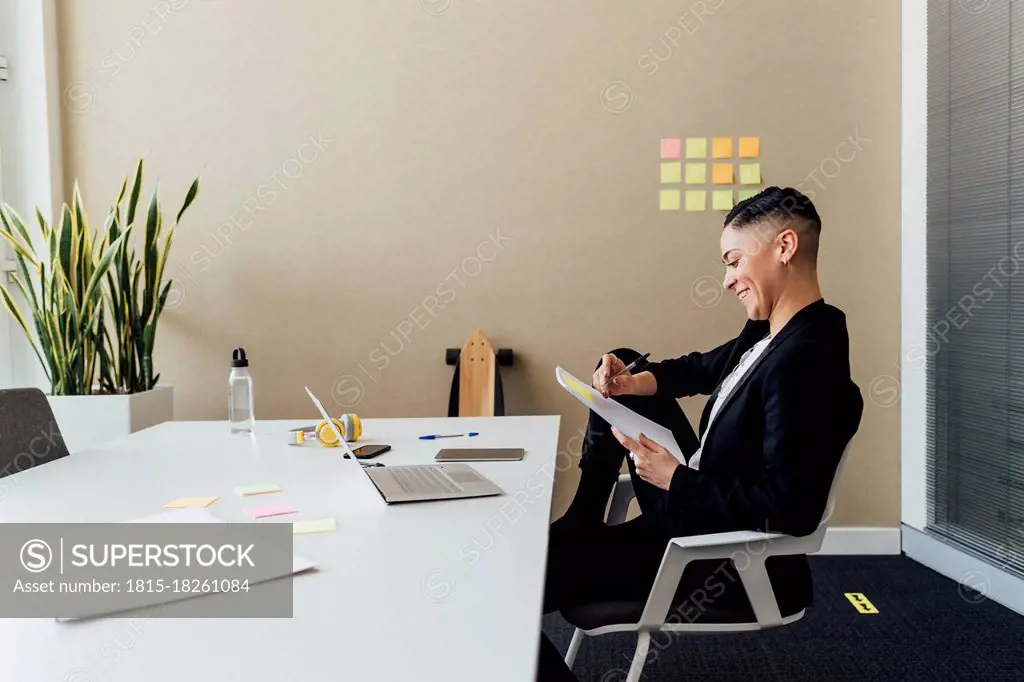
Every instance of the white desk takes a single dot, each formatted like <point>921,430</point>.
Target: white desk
<point>446,590</point>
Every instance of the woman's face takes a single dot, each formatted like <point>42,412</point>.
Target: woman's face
<point>754,270</point>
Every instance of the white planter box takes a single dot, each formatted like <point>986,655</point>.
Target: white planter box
<point>87,421</point>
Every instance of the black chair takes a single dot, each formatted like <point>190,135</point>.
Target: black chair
<point>29,435</point>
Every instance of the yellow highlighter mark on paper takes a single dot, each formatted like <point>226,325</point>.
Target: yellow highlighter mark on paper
<point>580,390</point>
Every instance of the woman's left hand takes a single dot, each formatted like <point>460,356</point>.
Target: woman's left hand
<point>654,463</point>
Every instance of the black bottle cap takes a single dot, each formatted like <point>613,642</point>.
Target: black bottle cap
<point>238,358</point>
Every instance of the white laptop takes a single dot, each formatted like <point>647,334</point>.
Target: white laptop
<point>417,482</point>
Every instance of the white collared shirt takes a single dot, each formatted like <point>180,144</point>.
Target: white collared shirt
<point>730,381</point>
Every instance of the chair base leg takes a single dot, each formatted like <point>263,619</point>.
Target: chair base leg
<point>643,641</point>
<point>574,647</point>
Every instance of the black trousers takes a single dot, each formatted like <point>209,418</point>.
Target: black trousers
<point>591,561</point>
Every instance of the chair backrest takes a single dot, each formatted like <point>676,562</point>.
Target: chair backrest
<point>830,505</point>
<point>29,435</point>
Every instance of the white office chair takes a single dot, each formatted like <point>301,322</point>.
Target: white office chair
<point>602,618</point>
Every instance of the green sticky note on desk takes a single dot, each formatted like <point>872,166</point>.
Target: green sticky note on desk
<point>750,174</point>
<point>696,173</point>
<point>672,171</point>
<point>747,193</point>
<point>696,200</point>
<point>721,200</point>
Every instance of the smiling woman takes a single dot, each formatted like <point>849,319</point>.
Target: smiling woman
<point>781,413</point>
<point>770,251</point>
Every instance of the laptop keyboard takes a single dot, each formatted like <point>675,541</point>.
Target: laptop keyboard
<point>423,480</point>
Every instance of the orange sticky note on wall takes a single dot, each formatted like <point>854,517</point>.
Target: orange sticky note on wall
<point>750,147</point>
<point>721,147</point>
<point>721,174</point>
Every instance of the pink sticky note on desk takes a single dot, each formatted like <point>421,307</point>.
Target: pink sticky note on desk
<point>275,510</point>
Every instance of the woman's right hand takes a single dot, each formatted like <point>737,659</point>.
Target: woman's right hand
<point>624,384</point>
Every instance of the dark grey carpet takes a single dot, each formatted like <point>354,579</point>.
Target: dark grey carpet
<point>928,628</point>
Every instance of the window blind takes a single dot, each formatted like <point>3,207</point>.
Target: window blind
<point>974,353</point>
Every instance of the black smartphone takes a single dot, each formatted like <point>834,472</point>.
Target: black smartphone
<point>370,451</point>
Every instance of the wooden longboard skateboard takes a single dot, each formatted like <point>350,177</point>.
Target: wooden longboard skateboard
<point>476,377</point>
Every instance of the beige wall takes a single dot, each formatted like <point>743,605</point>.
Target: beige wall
<point>452,122</point>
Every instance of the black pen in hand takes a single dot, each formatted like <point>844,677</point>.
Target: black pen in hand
<point>625,370</point>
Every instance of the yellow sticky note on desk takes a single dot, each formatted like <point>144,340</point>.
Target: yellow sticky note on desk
<point>186,502</point>
<point>669,200</point>
<point>261,489</point>
<point>750,147</point>
<point>696,173</point>
<point>696,200</point>
<point>314,526</point>
<point>696,147</point>
<point>750,174</point>
<point>672,171</point>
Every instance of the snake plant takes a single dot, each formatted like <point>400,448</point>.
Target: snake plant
<point>95,299</point>
<point>136,291</point>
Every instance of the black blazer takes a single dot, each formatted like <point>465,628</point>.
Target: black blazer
<point>773,448</point>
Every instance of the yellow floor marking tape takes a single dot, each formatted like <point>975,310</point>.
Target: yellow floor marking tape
<point>860,602</point>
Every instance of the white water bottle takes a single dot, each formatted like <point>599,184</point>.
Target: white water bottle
<point>240,399</point>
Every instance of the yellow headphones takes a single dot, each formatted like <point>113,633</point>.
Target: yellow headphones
<point>349,425</point>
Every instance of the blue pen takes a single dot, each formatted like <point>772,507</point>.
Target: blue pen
<point>435,436</point>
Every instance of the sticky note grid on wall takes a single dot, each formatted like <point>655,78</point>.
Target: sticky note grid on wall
<point>696,168</point>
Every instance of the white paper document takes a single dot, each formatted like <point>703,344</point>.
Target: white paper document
<point>618,415</point>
